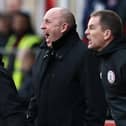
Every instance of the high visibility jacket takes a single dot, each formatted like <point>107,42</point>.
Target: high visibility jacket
<point>27,41</point>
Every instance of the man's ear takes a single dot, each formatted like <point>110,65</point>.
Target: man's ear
<point>107,34</point>
<point>65,27</point>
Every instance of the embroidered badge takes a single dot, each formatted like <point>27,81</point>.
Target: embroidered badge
<point>111,77</point>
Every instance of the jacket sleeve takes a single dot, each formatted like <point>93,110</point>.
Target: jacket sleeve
<point>12,109</point>
<point>95,112</point>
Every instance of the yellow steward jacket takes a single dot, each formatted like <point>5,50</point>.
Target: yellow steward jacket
<point>27,41</point>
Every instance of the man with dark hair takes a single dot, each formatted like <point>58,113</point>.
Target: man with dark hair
<point>105,35</point>
<point>63,94</point>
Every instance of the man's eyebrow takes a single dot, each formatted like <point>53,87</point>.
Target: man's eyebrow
<point>91,26</point>
<point>46,20</point>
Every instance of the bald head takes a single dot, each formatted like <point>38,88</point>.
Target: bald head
<point>56,22</point>
<point>64,14</point>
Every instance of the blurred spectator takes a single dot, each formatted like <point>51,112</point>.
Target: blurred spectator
<point>13,6</point>
<point>110,4</point>
<point>5,29</point>
<point>24,37</point>
<point>27,60</point>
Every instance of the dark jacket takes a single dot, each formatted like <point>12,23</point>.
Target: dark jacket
<point>60,80</point>
<point>113,67</point>
<point>11,111</point>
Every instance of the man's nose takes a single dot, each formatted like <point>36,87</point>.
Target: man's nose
<point>42,26</point>
<point>86,31</point>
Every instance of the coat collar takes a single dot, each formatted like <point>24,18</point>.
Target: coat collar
<point>115,45</point>
<point>62,45</point>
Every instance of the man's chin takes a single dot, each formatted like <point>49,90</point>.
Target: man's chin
<point>93,49</point>
<point>49,44</point>
<point>90,46</point>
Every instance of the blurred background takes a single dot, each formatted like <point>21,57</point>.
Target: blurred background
<point>36,8</point>
<point>80,8</point>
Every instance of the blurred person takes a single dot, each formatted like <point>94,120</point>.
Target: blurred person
<point>13,6</point>
<point>112,4</point>
<point>27,61</point>
<point>105,35</point>
<point>5,29</point>
<point>63,93</point>
<point>24,37</point>
<point>12,112</point>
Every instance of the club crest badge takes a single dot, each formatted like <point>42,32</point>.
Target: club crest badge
<point>111,77</point>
